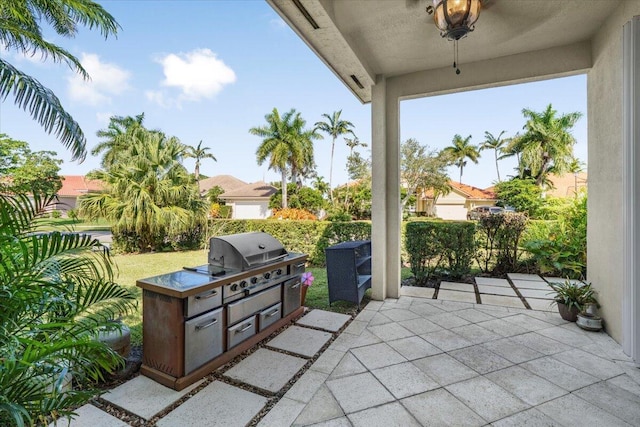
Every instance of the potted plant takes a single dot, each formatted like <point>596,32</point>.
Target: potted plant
<point>307,280</point>
<point>571,296</point>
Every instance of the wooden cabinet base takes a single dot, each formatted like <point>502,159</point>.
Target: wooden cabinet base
<point>185,381</point>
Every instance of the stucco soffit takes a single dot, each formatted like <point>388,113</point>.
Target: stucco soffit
<point>328,44</point>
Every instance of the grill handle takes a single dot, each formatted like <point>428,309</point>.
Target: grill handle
<point>211,295</point>
<point>246,328</point>
<point>206,325</point>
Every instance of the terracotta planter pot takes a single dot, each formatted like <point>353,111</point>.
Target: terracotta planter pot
<point>570,315</point>
<point>303,294</point>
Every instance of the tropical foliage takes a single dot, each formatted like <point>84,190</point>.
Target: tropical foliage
<point>199,153</point>
<point>522,194</point>
<point>422,168</point>
<point>334,126</point>
<point>57,293</point>
<point>151,199</point>
<point>115,138</point>
<point>461,150</point>
<point>20,31</point>
<point>495,143</point>
<point>305,198</point>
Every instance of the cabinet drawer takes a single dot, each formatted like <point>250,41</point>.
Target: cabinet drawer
<point>240,332</point>
<point>269,316</point>
<point>202,339</point>
<point>202,302</point>
<point>236,311</point>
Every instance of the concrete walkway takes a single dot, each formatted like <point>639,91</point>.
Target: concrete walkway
<point>406,362</point>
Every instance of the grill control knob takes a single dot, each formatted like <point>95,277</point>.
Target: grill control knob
<point>254,280</point>
<point>267,275</point>
<point>243,284</point>
<point>234,287</point>
<point>278,272</point>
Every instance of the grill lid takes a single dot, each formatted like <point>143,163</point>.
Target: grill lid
<point>245,251</point>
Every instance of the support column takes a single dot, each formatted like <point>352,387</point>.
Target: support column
<point>385,210</point>
<point>631,188</point>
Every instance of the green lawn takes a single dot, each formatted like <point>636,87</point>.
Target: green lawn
<point>61,224</point>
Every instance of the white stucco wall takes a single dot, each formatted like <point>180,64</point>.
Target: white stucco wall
<point>250,209</point>
<point>605,223</point>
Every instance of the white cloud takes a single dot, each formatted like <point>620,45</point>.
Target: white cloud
<point>106,80</point>
<point>198,74</point>
<point>160,98</point>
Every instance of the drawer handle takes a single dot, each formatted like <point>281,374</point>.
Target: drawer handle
<point>211,295</point>
<point>297,285</point>
<point>301,265</point>
<point>246,328</point>
<point>273,313</point>
<point>206,325</point>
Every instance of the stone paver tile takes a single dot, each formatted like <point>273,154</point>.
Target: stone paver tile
<point>151,397</point>
<point>473,315</point>
<point>613,399</point>
<point>349,365</point>
<point>356,327</point>
<point>327,362</point>
<point>529,418</point>
<point>589,363</point>
<point>571,410</point>
<point>414,347</point>
<point>427,309</point>
<point>565,336</point>
<point>561,374</point>
<point>540,343</point>
<point>446,340</point>
<point>283,413</point>
<point>631,369</point>
<point>536,293</point>
<point>447,320</point>
<point>379,319</point>
<point>345,342</point>
<point>323,407</point>
<point>391,414</point>
<point>523,384</point>
<point>326,320</point>
<point>476,334</point>
<point>377,356</point>
<point>306,386</point>
<point>497,290</point>
<point>441,408</point>
<point>336,422</point>
<point>512,350</point>
<point>521,276</point>
<point>90,416</point>
<point>252,370</point>
<point>625,382</point>
<point>373,305</point>
<point>420,326</point>
<point>552,317</point>
<point>492,281</point>
<point>494,310</point>
<point>303,341</point>
<point>390,331</point>
<point>400,314</point>
<point>417,291</point>
<point>608,352</point>
<point>444,369</point>
<point>453,286</point>
<point>502,327</point>
<point>530,284</point>
<point>486,398</point>
<point>501,300</point>
<point>218,404</point>
<point>366,315</point>
<point>447,295</point>
<point>359,392</point>
<point>480,359</point>
<point>456,305</point>
<point>404,380</point>
<point>527,322</point>
<point>543,305</point>
<point>612,349</point>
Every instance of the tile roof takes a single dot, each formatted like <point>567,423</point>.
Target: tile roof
<point>564,185</point>
<point>469,191</point>
<point>226,182</point>
<point>251,191</point>
<point>77,185</point>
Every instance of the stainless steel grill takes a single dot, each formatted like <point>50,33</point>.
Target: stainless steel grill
<point>245,251</point>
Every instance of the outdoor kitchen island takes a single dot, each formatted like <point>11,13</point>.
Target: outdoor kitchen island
<point>199,318</point>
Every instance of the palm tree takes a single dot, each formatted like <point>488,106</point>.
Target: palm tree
<point>334,127</point>
<point>575,167</point>
<point>496,144</point>
<point>321,185</point>
<point>20,31</point>
<point>199,153</point>
<point>57,293</point>
<point>547,143</point>
<point>460,151</point>
<point>115,139</point>
<point>286,144</point>
<point>150,193</point>
<point>352,143</point>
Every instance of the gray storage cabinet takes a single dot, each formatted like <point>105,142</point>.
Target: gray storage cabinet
<point>349,270</point>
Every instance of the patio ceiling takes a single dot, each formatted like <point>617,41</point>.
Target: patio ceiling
<point>366,38</point>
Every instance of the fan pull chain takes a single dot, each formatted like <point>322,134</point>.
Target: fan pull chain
<point>455,56</point>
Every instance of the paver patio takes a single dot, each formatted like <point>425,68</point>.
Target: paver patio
<point>414,361</point>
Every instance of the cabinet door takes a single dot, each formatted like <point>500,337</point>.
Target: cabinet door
<point>202,339</point>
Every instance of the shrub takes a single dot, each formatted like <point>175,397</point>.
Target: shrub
<point>487,244</point>
<point>292,213</point>
<point>523,194</point>
<point>508,241</point>
<point>56,214</point>
<point>336,232</point>
<point>423,251</point>
<point>73,214</point>
<point>458,246</point>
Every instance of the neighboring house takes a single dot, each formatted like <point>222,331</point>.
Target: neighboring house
<point>250,201</point>
<point>566,185</point>
<point>226,182</point>
<point>457,203</point>
<point>74,186</point>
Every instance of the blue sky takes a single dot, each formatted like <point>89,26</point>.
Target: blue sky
<point>210,70</point>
